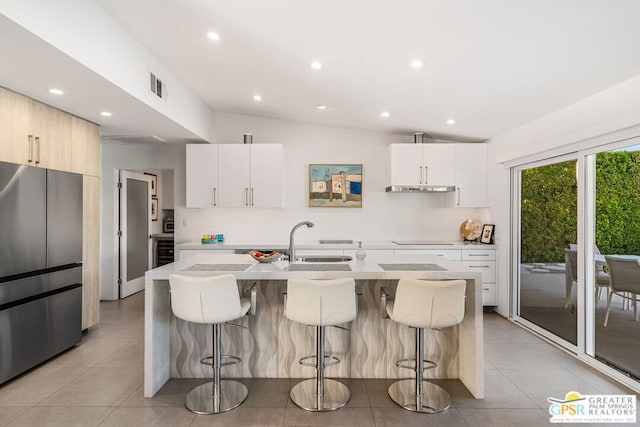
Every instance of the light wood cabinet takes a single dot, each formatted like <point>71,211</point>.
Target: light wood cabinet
<point>85,147</point>
<point>90,251</point>
<point>35,134</point>
<point>234,175</point>
<point>15,127</point>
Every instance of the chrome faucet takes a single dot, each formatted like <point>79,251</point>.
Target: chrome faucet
<point>292,248</point>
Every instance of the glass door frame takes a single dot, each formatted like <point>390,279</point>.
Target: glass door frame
<point>516,200</point>
<point>586,179</point>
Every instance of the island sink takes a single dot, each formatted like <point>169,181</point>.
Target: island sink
<point>324,258</point>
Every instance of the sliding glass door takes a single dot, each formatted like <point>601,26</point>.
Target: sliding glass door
<point>617,233</point>
<point>548,224</point>
<point>571,215</point>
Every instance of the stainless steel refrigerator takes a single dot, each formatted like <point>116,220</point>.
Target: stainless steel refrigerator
<point>40,265</point>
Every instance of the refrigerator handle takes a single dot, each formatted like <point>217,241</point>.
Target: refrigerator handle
<point>38,149</point>
<point>30,157</point>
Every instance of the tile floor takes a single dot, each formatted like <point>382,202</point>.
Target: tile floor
<point>99,383</point>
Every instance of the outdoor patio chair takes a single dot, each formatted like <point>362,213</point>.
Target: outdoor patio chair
<point>624,277</point>
<point>571,275</point>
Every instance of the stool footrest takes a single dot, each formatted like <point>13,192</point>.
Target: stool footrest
<point>402,363</point>
<point>303,361</point>
<point>232,360</point>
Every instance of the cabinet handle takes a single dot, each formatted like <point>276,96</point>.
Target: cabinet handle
<point>246,196</point>
<point>485,289</point>
<point>214,196</point>
<point>420,174</point>
<point>458,203</point>
<point>38,149</point>
<point>252,196</point>
<point>478,266</point>
<point>478,254</point>
<point>426,174</point>
<point>30,159</point>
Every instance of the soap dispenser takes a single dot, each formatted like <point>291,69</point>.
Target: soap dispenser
<point>360,253</point>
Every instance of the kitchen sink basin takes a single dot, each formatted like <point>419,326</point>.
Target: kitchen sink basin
<point>324,258</point>
<point>319,267</point>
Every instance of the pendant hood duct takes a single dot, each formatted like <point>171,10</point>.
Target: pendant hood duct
<point>420,188</point>
<point>419,138</point>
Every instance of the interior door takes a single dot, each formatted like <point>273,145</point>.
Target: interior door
<point>135,231</point>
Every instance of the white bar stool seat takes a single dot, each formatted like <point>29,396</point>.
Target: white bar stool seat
<point>211,300</point>
<point>424,304</point>
<point>320,303</point>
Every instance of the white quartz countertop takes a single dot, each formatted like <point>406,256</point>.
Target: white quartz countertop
<point>316,245</point>
<point>368,269</point>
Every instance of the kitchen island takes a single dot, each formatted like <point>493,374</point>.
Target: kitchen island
<point>271,345</point>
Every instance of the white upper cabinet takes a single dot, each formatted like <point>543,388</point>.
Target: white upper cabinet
<point>439,161</point>
<point>422,164</point>
<point>267,178</point>
<point>234,175</point>
<point>471,175</point>
<point>202,175</point>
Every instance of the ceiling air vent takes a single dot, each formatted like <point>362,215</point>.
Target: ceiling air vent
<point>131,139</point>
<point>157,87</point>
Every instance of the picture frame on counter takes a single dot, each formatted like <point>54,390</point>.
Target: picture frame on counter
<point>154,209</point>
<point>487,233</point>
<point>335,185</point>
<point>154,184</point>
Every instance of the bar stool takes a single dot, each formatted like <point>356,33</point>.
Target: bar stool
<point>212,300</point>
<point>320,303</point>
<point>423,304</point>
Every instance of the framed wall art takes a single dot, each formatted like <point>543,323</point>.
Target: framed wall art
<point>335,186</point>
<point>154,209</point>
<point>154,184</point>
<point>487,233</point>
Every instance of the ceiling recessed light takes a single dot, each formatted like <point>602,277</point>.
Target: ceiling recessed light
<point>416,63</point>
<point>385,114</point>
<point>257,98</point>
<point>316,65</point>
<point>105,114</point>
<point>321,107</point>
<point>451,121</point>
<point>213,36</point>
<point>56,91</point>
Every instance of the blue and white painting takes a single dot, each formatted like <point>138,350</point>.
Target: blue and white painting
<point>337,186</point>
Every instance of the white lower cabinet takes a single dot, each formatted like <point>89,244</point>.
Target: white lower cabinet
<point>483,260</point>
<point>450,254</point>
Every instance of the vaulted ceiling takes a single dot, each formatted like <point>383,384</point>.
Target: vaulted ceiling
<point>490,66</point>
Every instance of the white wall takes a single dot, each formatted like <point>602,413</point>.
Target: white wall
<point>107,49</point>
<point>384,216</point>
<point>586,123</point>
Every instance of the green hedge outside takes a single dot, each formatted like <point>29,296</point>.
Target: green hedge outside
<point>549,210</point>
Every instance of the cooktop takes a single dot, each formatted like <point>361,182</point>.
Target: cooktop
<point>420,242</point>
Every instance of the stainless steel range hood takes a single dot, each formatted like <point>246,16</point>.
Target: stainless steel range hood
<point>420,188</point>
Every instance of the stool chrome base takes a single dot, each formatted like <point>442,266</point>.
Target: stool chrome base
<point>201,400</point>
<point>434,398</point>
<point>304,394</point>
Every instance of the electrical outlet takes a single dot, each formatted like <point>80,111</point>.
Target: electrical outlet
<point>185,222</point>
